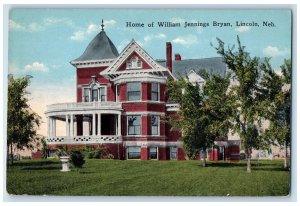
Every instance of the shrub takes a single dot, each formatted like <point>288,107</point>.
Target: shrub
<point>100,152</point>
<point>110,156</point>
<point>91,154</point>
<point>77,158</point>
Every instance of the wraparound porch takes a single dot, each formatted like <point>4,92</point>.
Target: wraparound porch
<point>85,123</point>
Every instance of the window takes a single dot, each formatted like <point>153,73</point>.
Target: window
<point>173,153</point>
<point>102,94</point>
<point>134,124</point>
<point>133,152</point>
<point>154,91</point>
<point>134,63</point>
<point>133,91</point>
<point>153,153</point>
<point>94,93</point>
<point>86,95</point>
<point>154,124</point>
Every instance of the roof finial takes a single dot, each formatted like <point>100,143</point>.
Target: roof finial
<point>102,26</point>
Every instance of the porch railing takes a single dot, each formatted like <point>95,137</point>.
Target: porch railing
<point>84,105</point>
<point>84,139</point>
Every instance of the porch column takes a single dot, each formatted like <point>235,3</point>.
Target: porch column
<point>75,129</point>
<point>50,127</point>
<point>99,124</point>
<point>72,125</point>
<point>94,124</point>
<point>67,126</point>
<point>119,125</point>
<point>54,127</point>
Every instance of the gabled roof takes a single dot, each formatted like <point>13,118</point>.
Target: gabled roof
<point>213,65</point>
<point>157,69</point>
<point>193,77</point>
<point>101,47</point>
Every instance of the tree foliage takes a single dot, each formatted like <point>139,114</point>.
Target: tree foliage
<point>22,122</point>
<point>255,90</point>
<point>279,130</point>
<point>203,111</point>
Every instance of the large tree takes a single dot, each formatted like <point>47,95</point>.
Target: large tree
<point>203,111</point>
<point>22,122</point>
<point>278,112</point>
<point>249,97</point>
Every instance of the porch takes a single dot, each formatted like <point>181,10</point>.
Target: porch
<point>85,123</point>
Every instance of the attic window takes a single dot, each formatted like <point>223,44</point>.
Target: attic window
<point>134,63</point>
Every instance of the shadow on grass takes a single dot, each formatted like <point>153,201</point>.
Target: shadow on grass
<point>35,163</point>
<point>278,169</point>
<point>224,164</point>
<point>41,168</point>
<point>259,166</point>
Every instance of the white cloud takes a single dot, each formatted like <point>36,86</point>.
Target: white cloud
<point>12,25</point>
<point>78,35</point>
<point>109,23</point>
<point>274,51</point>
<point>36,27</point>
<point>90,29</point>
<point>53,20</point>
<point>186,40</point>
<point>36,66</point>
<point>243,28</point>
<point>151,37</point>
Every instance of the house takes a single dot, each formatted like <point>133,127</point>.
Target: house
<point>121,100</point>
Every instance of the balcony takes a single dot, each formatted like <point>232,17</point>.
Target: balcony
<point>83,106</point>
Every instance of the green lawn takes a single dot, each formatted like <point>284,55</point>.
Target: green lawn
<point>116,177</point>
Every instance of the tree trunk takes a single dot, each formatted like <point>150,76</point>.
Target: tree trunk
<point>286,154</point>
<point>248,160</point>
<point>204,158</point>
<point>11,154</point>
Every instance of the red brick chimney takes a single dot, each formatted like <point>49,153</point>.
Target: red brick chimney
<point>177,57</point>
<point>169,56</point>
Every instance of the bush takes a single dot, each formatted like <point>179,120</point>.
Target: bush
<point>110,156</point>
<point>77,158</point>
<point>100,152</point>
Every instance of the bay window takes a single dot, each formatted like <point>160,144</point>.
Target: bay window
<point>154,91</point>
<point>133,91</point>
<point>134,124</point>
<point>154,124</point>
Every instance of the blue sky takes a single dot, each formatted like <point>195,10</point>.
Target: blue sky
<point>42,42</point>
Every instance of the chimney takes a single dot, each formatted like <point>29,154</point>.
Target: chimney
<point>177,57</point>
<point>169,56</point>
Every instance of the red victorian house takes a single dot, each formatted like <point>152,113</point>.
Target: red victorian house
<point>121,99</point>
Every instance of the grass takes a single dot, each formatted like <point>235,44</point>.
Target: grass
<point>167,178</point>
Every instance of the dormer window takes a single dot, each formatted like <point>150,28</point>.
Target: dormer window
<point>134,63</point>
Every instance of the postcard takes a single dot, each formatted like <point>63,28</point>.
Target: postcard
<point>149,102</point>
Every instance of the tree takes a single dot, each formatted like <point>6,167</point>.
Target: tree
<point>22,122</point>
<point>279,97</point>
<point>203,111</point>
<point>249,103</point>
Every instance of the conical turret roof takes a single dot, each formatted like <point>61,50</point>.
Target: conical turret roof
<point>101,47</point>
